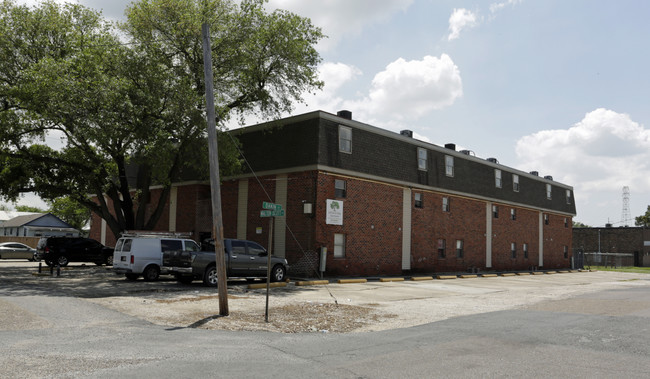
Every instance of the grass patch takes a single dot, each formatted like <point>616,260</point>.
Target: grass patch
<point>638,270</point>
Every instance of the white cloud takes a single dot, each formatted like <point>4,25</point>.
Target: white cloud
<point>495,7</point>
<point>460,19</point>
<point>599,155</point>
<point>411,89</point>
<point>339,18</point>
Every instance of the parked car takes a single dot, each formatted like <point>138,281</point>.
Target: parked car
<point>140,253</point>
<point>63,250</point>
<point>244,259</point>
<point>16,250</point>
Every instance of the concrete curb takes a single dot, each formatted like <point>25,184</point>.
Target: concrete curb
<point>391,279</point>
<point>523,273</point>
<point>489,276</point>
<point>444,277</point>
<point>538,273</point>
<point>508,274</point>
<point>312,282</point>
<point>347,281</point>
<point>551,272</point>
<point>418,278</point>
<point>263,285</point>
<point>468,276</point>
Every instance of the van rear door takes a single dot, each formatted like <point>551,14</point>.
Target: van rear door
<point>122,254</point>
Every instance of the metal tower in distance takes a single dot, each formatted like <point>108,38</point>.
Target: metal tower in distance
<point>625,214</point>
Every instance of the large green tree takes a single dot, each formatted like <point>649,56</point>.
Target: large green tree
<point>128,107</point>
<point>644,219</point>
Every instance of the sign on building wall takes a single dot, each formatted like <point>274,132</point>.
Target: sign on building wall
<point>334,213</point>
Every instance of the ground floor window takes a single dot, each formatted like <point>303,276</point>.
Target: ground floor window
<point>513,249</point>
<point>339,245</point>
<point>525,248</point>
<point>441,248</point>
<point>459,248</point>
<point>566,252</point>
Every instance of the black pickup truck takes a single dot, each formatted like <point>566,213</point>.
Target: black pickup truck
<point>244,259</point>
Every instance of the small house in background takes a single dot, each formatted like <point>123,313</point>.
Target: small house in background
<point>37,225</point>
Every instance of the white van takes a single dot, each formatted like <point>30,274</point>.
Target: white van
<point>139,254</point>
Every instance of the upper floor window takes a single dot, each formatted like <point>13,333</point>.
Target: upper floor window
<point>546,221</point>
<point>548,191</point>
<point>445,204</point>
<point>513,214</point>
<point>495,211</point>
<point>449,165</point>
<point>566,222</point>
<point>422,159</point>
<point>524,247</point>
<point>345,139</point>
<point>418,200</point>
<point>515,182</point>
<point>339,188</point>
<point>497,178</point>
<point>568,196</point>
<point>566,252</point>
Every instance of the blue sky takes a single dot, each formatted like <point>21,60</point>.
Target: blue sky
<point>558,87</point>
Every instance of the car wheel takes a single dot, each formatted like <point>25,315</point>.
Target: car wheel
<point>278,273</point>
<point>131,276</point>
<point>108,261</point>
<point>210,276</point>
<point>185,279</point>
<point>62,261</point>
<point>151,273</point>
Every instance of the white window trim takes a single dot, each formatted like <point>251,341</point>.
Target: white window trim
<point>339,253</point>
<point>449,168</point>
<point>422,161</point>
<point>498,181</point>
<point>341,127</point>
<point>515,182</point>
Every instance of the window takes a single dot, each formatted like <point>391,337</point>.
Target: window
<point>459,248</point>
<point>495,211</point>
<point>524,247</point>
<point>191,246</point>
<point>445,204</point>
<point>255,249</point>
<point>497,178</point>
<point>339,245</point>
<point>449,165</point>
<point>418,200</point>
<point>171,245</point>
<point>513,214</point>
<point>422,159</point>
<point>515,183</point>
<point>566,252</point>
<point>568,196</point>
<point>441,248</point>
<point>548,191</point>
<point>546,219</point>
<point>566,222</point>
<point>513,250</point>
<point>339,188</point>
<point>345,139</point>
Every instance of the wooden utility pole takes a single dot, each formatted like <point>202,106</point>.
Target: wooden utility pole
<point>215,182</point>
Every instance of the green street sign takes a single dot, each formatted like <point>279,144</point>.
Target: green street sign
<point>271,206</point>
<point>272,213</point>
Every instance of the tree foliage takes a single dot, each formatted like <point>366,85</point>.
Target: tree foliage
<point>644,219</point>
<point>578,224</point>
<point>70,211</point>
<point>29,208</point>
<point>84,113</point>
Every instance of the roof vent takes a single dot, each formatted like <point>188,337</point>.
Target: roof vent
<point>407,133</point>
<point>468,152</point>
<point>345,114</point>
<point>534,173</point>
<point>493,160</point>
<point>549,177</point>
<point>450,146</point>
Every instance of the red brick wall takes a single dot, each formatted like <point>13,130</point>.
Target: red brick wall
<point>372,221</point>
<point>505,231</point>
<point>556,236</point>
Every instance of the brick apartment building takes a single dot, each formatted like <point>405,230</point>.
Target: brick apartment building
<point>379,202</point>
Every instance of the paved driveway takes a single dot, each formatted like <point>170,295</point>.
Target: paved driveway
<point>600,333</point>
